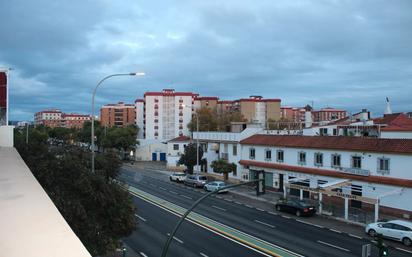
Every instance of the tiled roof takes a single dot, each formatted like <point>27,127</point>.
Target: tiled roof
<point>395,122</point>
<point>331,173</point>
<point>361,144</point>
<point>180,139</point>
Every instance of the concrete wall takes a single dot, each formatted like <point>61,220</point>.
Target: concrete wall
<point>147,147</point>
<point>6,136</point>
<point>396,134</point>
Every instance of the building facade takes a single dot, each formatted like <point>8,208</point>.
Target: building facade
<point>56,118</point>
<point>118,115</point>
<point>370,168</point>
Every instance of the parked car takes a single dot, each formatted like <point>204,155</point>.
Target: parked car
<point>178,177</point>
<point>216,185</point>
<point>299,208</point>
<point>398,230</point>
<point>195,180</point>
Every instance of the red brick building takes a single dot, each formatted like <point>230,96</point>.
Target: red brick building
<point>119,115</point>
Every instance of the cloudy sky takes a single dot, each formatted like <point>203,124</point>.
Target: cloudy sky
<point>347,54</point>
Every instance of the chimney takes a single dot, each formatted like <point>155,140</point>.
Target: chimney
<point>388,109</point>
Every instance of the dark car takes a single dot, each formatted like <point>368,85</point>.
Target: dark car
<point>299,208</point>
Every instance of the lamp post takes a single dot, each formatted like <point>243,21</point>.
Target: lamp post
<point>197,138</point>
<point>94,94</point>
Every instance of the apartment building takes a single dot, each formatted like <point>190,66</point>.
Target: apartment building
<point>74,120</point>
<point>165,114</point>
<point>364,173</point>
<point>258,109</point>
<point>117,115</point>
<point>49,118</point>
<point>56,118</point>
<point>328,114</point>
<point>205,102</point>
<point>294,114</point>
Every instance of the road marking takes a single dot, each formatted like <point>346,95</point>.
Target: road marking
<point>229,200</point>
<point>202,254</point>
<point>251,242</point>
<point>187,197</point>
<point>152,184</point>
<point>173,192</point>
<point>336,231</point>
<point>259,209</point>
<point>217,207</point>
<point>163,188</point>
<point>334,246</point>
<point>237,202</point>
<point>264,223</point>
<point>308,223</point>
<point>248,206</point>
<point>401,249</point>
<point>142,254</point>
<point>175,238</point>
<point>355,236</point>
<point>141,218</point>
<point>286,217</point>
<point>219,197</point>
<point>273,213</point>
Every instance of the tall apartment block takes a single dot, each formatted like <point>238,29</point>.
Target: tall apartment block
<point>117,115</point>
<point>165,114</point>
<point>258,109</point>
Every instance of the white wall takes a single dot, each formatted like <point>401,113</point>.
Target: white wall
<point>398,163</point>
<point>174,155</point>
<point>396,134</point>
<point>147,147</point>
<point>6,136</point>
<point>139,118</point>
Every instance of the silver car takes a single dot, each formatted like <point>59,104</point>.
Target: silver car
<point>398,230</point>
<point>195,180</point>
<point>216,185</point>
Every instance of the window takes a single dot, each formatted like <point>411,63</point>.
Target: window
<point>235,171</point>
<point>234,150</point>
<point>268,154</point>
<point>180,113</point>
<point>323,131</point>
<point>319,159</point>
<point>156,113</point>
<point>252,153</point>
<point>156,120</point>
<point>335,132</point>
<point>356,162</point>
<point>175,147</point>
<point>279,155</point>
<point>302,158</point>
<point>383,165</point>
<point>335,160</point>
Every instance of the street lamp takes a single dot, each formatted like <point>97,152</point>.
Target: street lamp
<point>197,138</point>
<point>94,94</point>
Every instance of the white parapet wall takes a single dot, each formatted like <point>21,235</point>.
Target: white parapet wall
<point>6,136</point>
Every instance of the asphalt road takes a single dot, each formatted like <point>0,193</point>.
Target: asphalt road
<point>298,235</point>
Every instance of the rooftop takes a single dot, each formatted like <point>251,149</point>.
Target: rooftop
<point>362,144</point>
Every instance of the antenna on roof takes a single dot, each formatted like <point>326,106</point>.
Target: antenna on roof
<point>388,109</point>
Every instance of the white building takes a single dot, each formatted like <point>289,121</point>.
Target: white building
<point>139,107</point>
<point>166,114</point>
<point>175,148</point>
<point>371,169</point>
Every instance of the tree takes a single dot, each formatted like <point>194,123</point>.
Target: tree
<point>207,120</point>
<point>108,165</point>
<point>99,211</point>
<point>223,167</point>
<point>226,118</point>
<point>188,158</point>
<point>122,139</point>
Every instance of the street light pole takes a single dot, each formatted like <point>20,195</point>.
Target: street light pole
<point>94,94</point>
<point>197,141</point>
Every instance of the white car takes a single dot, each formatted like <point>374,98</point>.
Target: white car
<point>398,230</point>
<point>178,177</point>
<point>216,185</point>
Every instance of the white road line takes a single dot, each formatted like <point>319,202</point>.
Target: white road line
<point>163,188</point>
<point>229,200</point>
<point>355,236</point>
<point>286,217</point>
<point>336,231</point>
<point>141,218</point>
<point>248,206</point>
<point>152,184</point>
<point>334,246</point>
<point>308,223</point>
<point>142,254</point>
<point>264,223</point>
<point>202,254</point>
<point>219,197</point>
<point>175,238</point>
<point>217,207</point>
<point>259,209</point>
<point>173,192</point>
<point>401,249</point>
<point>187,197</point>
<point>237,202</point>
<point>273,213</point>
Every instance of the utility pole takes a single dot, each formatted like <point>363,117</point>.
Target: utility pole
<point>27,133</point>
